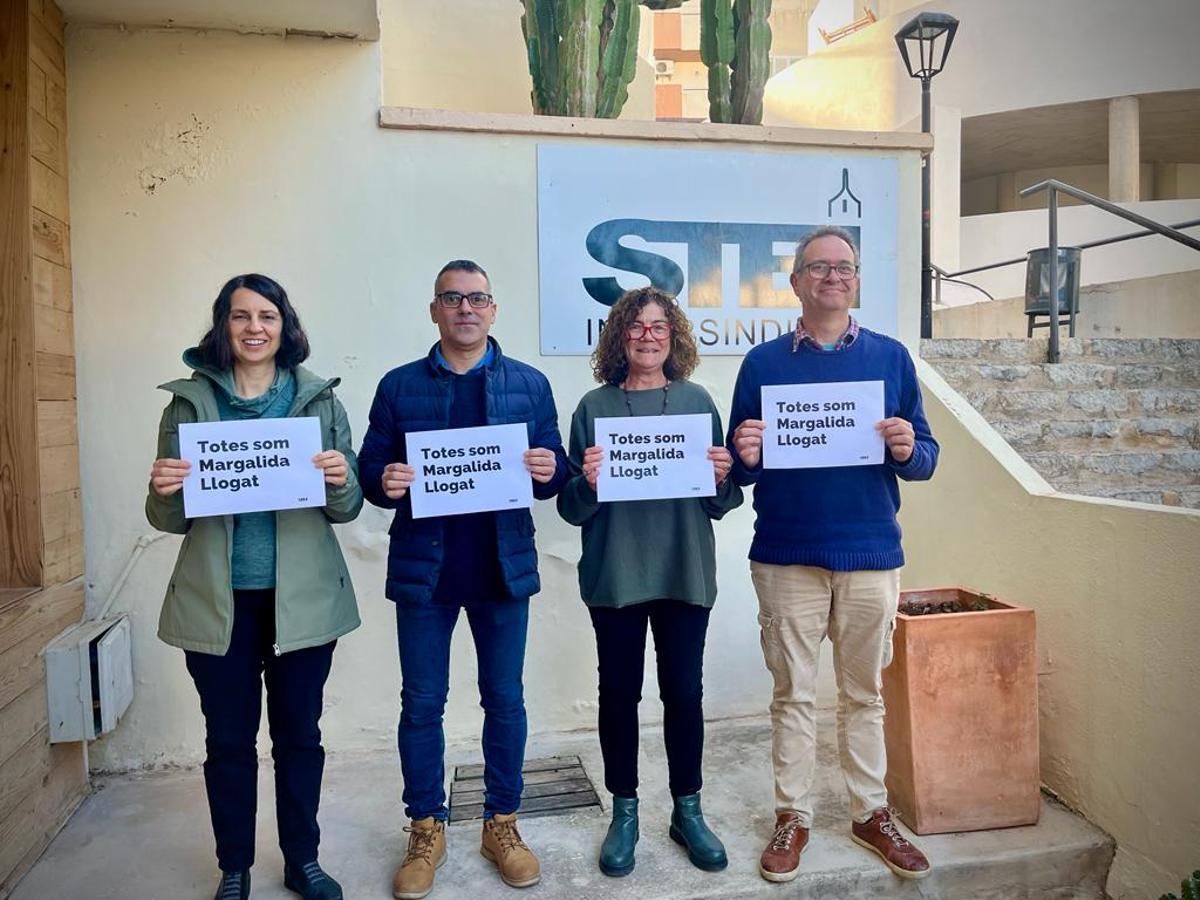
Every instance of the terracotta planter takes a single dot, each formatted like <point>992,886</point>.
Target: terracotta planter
<point>962,720</point>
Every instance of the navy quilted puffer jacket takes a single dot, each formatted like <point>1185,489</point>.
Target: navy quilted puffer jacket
<point>416,397</point>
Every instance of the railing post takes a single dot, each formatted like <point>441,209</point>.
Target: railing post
<point>1053,275</point>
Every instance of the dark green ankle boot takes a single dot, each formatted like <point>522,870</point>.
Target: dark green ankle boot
<point>616,853</point>
<point>689,829</point>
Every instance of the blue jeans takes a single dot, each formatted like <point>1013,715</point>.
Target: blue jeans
<point>498,627</point>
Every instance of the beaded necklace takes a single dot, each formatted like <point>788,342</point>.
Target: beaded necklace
<point>629,406</point>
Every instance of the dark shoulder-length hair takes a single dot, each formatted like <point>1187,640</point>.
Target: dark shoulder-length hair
<point>215,348</point>
<point>609,363</point>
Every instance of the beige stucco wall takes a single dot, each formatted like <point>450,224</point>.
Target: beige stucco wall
<point>470,55</point>
<point>1008,55</point>
<point>982,195</point>
<point>1115,589</point>
<point>197,156</point>
<point>1162,306</point>
<point>997,237</point>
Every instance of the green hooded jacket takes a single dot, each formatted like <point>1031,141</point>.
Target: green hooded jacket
<point>314,598</point>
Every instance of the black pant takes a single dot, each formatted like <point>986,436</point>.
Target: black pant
<point>679,631</point>
<point>230,689</point>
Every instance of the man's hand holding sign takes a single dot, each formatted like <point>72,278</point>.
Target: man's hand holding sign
<point>398,477</point>
<point>898,437</point>
<point>829,421</point>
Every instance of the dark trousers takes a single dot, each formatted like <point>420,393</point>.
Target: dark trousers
<point>498,627</point>
<point>679,632</point>
<point>230,689</point>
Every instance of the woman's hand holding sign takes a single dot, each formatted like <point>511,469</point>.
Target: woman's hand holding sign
<point>593,458</point>
<point>333,463</point>
<point>397,477</point>
<point>722,461</point>
<point>748,441</point>
<point>899,438</point>
<point>166,475</point>
<point>540,463</point>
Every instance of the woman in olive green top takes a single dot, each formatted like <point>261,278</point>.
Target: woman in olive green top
<point>260,596</point>
<point>648,562</point>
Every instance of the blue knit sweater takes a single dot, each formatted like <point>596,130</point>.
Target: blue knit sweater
<point>841,518</point>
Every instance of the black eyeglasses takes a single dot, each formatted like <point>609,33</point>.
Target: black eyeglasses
<point>453,299</point>
<point>844,270</point>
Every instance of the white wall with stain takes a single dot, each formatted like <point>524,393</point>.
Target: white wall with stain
<point>196,156</point>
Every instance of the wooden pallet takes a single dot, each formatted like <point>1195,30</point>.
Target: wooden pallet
<point>553,786</point>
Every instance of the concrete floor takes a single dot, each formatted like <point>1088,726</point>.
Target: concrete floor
<point>145,837</point>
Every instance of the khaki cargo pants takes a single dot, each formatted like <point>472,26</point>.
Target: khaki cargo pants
<point>798,607</point>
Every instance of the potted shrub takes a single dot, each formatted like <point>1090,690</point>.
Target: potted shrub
<point>962,724</point>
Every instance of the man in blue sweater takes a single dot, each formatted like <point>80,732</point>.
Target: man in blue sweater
<point>826,554</point>
<point>483,563</point>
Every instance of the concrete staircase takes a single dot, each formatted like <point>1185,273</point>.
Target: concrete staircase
<point>1116,418</point>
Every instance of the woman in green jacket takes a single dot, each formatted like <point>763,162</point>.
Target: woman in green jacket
<point>648,562</point>
<point>258,596</point>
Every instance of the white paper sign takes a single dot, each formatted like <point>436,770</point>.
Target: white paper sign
<point>466,470</point>
<point>251,465</point>
<point>655,457</point>
<point>819,425</point>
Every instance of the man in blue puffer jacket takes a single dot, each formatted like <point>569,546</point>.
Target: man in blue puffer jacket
<point>484,563</point>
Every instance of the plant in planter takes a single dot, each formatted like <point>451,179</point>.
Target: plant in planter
<point>735,44</point>
<point>961,725</point>
<point>583,54</point>
<point>1190,889</point>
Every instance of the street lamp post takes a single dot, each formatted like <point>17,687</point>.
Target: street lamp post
<point>930,35</point>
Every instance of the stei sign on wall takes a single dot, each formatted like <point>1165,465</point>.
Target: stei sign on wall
<point>716,229</point>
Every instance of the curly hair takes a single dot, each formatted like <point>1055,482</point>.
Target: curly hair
<point>609,363</point>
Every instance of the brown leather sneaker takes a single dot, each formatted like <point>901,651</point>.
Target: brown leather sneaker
<point>502,844</point>
<point>781,860</point>
<point>426,851</point>
<point>880,834</point>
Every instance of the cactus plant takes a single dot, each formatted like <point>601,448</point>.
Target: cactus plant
<point>735,44</point>
<point>583,54</point>
<point>1190,888</point>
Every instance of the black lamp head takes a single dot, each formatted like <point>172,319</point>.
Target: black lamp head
<point>930,34</point>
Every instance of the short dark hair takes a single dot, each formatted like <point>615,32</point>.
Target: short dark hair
<point>825,231</point>
<point>461,265</point>
<point>215,348</point>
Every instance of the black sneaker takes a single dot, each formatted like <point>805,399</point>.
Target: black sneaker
<point>311,882</point>
<point>234,886</point>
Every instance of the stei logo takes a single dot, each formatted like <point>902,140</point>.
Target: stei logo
<point>756,250</point>
<point>715,228</point>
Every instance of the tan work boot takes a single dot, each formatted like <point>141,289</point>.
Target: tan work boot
<point>426,851</point>
<point>503,845</point>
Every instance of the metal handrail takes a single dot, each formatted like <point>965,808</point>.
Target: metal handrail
<point>940,275</point>
<point>1053,186</point>
<point>1099,242</point>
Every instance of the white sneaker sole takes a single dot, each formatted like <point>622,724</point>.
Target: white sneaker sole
<point>780,877</point>
<point>903,873</point>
